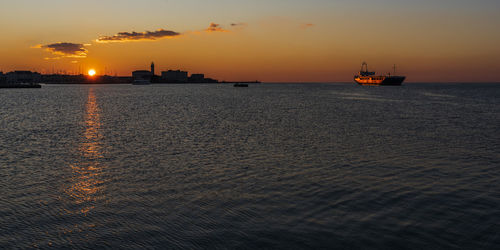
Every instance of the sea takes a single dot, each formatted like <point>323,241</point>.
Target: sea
<point>271,166</point>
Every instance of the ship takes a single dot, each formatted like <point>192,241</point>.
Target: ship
<point>365,77</point>
<point>241,85</point>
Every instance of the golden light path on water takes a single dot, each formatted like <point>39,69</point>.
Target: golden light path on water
<point>86,187</point>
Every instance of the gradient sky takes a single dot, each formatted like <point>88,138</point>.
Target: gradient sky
<point>275,40</point>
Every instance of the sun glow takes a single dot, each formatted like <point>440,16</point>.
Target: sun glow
<point>92,72</point>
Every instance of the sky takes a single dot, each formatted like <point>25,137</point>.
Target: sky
<point>266,40</point>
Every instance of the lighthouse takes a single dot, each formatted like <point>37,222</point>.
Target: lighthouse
<point>152,68</point>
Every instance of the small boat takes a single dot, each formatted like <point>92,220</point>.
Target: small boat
<point>241,85</point>
<point>365,77</point>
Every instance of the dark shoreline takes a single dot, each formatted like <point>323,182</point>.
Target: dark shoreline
<point>14,86</point>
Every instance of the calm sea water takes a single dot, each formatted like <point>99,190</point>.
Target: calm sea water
<point>273,166</point>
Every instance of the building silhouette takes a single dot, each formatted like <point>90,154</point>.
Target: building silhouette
<point>23,77</point>
<point>20,79</point>
<point>142,76</point>
<point>169,76</point>
<point>197,78</point>
<point>174,76</point>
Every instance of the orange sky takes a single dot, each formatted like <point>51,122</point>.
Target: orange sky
<point>279,41</point>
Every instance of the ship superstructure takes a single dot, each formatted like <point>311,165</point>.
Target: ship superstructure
<point>365,77</point>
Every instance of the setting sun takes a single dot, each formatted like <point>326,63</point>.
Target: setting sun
<point>92,72</point>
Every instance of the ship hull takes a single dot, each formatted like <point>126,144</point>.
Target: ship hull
<point>380,80</point>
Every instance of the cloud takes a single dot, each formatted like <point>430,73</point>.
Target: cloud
<point>238,24</point>
<point>71,50</point>
<point>307,25</point>
<point>214,27</point>
<point>51,58</point>
<point>138,36</point>
<point>78,50</point>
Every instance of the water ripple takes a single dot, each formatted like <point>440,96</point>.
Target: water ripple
<point>275,166</point>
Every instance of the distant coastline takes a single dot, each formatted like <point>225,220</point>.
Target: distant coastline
<point>29,78</point>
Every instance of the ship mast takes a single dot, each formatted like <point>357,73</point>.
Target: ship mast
<point>364,66</point>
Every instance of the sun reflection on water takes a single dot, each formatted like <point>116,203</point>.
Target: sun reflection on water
<point>86,184</point>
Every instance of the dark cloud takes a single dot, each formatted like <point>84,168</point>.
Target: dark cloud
<point>78,50</point>
<point>214,27</point>
<point>238,24</point>
<point>73,50</point>
<point>137,36</point>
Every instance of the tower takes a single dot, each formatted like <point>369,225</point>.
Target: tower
<point>153,68</point>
